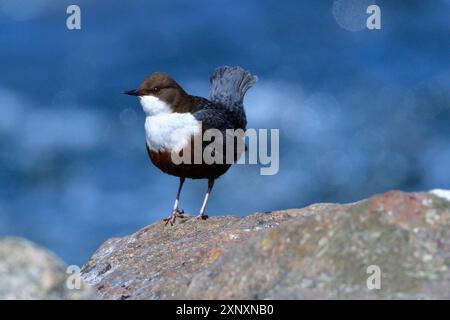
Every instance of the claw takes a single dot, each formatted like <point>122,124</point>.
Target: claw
<point>177,213</point>
<point>202,216</point>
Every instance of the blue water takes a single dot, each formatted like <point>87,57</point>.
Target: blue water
<point>359,112</point>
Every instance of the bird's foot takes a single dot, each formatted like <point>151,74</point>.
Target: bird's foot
<point>177,213</point>
<point>201,216</point>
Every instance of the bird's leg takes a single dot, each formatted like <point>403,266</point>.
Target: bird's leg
<point>202,214</point>
<point>176,212</point>
<point>177,199</point>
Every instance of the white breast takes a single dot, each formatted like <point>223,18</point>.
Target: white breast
<point>170,131</point>
<point>164,129</point>
<point>153,106</point>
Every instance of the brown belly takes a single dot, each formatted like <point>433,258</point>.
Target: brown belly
<point>163,160</point>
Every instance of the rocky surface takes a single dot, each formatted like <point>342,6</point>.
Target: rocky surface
<point>321,251</point>
<point>28,271</point>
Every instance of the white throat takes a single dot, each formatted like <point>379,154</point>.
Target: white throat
<point>153,106</point>
<point>166,130</point>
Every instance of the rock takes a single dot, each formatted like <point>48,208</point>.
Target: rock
<point>28,271</point>
<point>324,251</point>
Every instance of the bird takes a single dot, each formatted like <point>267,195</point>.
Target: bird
<point>175,118</point>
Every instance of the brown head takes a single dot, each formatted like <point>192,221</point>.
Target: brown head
<point>160,93</point>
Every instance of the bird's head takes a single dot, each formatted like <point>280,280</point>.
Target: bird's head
<point>159,93</point>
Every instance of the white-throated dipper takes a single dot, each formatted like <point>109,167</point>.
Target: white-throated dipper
<point>174,119</point>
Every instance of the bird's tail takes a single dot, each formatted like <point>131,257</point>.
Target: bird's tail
<point>229,85</point>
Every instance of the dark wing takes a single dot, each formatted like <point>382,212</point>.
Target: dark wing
<point>215,113</point>
<point>213,118</point>
<point>200,103</point>
<point>219,119</point>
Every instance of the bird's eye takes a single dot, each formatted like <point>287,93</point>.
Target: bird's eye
<point>155,89</point>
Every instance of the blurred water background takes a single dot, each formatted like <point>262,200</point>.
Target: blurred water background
<point>359,111</point>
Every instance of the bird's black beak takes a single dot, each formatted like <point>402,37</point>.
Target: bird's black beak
<point>132,92</point>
